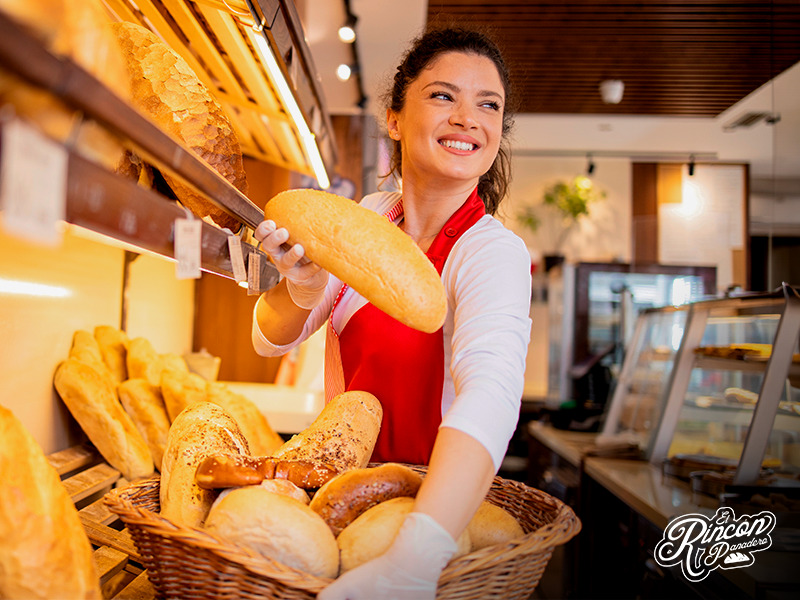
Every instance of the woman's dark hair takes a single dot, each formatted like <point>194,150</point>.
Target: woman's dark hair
<point>493,185</point>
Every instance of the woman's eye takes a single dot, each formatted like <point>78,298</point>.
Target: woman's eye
<point>441,95</point>
<point>492,105</point>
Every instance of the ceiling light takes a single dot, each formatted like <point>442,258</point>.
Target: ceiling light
<point>611,90</point>
<point>343,72</point>
<point>691,165</point>
<point>347,32</point>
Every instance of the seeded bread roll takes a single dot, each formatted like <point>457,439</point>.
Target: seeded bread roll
<point>366,251</point>
<point>342,436</point>
<point>202,429</point>
<point>92,401</point>
<point>44,551</point>
<point>165,88</point>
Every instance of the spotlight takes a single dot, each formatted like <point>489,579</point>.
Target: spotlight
<point>590,164</point>
<point>611,90</point>
<point>347,32</point>
<point>343,72</point>
<point>691,165</point>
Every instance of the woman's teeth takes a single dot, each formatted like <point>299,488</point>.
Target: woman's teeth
<point>457,145</point>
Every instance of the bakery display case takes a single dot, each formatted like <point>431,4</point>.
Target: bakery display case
<point>714,386</point>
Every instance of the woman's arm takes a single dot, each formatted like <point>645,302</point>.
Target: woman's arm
<point>278,317</point>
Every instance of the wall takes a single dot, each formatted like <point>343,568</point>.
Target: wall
<point>83,279</point>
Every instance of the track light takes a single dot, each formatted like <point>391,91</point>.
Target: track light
<point>347,32</point>
<point>589,165</point>
<point>691,165</point>
<point>343,72</point>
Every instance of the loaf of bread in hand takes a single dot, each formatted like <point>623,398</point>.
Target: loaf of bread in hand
<point>200,430</point>
<point>92,401</point>
<point>165,88</point>
<point>342,436</point>
<point>365,251</point>
<point>44,551</point>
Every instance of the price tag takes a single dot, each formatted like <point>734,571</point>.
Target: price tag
<point>187,248</point>
<point>254,274</point>
<point>33,184</point>
<point>237,260</point>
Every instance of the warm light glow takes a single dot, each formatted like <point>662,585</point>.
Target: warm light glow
<point>692,203</point>
<point>677,336</point>
<point>343,72</point>
<point>306,136</point>
<point>243,284</point>
<point>28,288</point>
<point>347,34</point>
<point>681,291</point>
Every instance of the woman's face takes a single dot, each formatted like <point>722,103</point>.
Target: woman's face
<point>451,125</point>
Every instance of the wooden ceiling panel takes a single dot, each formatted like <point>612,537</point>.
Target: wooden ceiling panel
<point>682,58</point>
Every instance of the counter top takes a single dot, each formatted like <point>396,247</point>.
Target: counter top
<point>569,445</point>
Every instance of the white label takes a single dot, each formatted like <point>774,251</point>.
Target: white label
<point>237,260</point>
<point>254,274</point>
<point>33,184</point>
<point>187,248</point>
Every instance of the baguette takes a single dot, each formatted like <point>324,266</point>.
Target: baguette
<point>365,251</point>
<point>44,551</point>
<point>93,402</point>
<point>342,436</point>
<point>143,402</point>
<point>263,440</point>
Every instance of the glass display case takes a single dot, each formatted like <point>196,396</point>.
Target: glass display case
<point>717,380</point>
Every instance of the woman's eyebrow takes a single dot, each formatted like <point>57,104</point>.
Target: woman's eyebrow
<point>455,88</point>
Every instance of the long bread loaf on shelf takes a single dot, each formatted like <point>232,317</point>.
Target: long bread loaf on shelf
<point>365,251</point>
<point>44,551</point>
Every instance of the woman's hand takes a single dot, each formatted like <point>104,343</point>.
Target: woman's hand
<point>305,280</point>
<point>408,570</point>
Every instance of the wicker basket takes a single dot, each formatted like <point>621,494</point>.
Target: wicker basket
<point>187,562</point>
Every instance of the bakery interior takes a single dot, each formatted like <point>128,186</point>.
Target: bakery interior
<point>663,372</point>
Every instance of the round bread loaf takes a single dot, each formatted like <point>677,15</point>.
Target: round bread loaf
<point>491,525</point>
<point>278,527</point>
<point>200,430</point>
<point>371,534</point>
<point>342,436</point>
<point>165,88</point>
<point>365,251</point>
<point>44,551</point>
<point>340,501</point>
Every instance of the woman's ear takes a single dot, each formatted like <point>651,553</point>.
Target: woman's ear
<point>392,124</point>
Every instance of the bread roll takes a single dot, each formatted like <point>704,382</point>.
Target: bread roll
<point>260,436</point>
<point>165,88</point>
<point>93,403</point>
<point>283,487</point>
<point>343,435</point>
<point>143,402</point>
<point>278,527</point>
<point>113,345</point>
<point>366,251</point>
<point>346,496</point>
<point>491,525</point>
<point>44,551</point>
<point>181,389</point>
<point>371,534</point>
<point>201,430</point>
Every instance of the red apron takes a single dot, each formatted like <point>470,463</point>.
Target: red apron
<point>402,367</point>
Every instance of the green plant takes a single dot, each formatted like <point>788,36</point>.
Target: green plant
<point>569,200</point>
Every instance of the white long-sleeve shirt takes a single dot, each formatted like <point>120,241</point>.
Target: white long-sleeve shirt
<point>485,334</point>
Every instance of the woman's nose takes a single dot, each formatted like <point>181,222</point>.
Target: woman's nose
<point>463,116</point>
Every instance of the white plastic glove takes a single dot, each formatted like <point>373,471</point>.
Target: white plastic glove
<point>408,570</point>
<point>305,280</point>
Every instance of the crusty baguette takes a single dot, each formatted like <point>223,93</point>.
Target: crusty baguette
<point>254,425</point>
<point>143,402</point>
<point>113,345</point>
<point>343,435</point>
<point>202,429</point>
<point>93,402</point>
<point>44,551</point>
<point>366,251</point>
<point>165,88</point>
<point>180,389</point>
